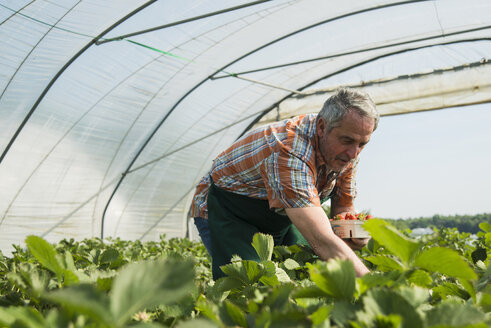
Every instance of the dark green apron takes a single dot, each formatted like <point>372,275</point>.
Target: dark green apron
<point>233,221</point>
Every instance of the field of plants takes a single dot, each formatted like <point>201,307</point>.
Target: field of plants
<point>439,280</point>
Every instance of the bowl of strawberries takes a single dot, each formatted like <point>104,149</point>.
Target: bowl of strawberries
<point>350,225</point>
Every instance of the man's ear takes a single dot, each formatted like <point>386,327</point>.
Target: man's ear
<point>321,129</point>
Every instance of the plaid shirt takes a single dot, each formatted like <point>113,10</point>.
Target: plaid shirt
<point>280,162</point>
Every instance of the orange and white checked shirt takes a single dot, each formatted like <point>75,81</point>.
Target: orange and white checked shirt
<point>280,162</point>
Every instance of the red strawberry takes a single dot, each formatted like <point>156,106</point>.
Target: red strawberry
<point>338,217</point>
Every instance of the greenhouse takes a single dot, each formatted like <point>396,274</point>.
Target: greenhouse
<point>107,108</point>
<point>111,112</point>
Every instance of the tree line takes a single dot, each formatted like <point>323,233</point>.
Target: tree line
<point>463,223</point>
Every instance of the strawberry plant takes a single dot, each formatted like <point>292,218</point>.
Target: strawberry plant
<point>439,280</point>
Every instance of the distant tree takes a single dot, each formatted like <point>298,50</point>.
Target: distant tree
<point>463,223</point>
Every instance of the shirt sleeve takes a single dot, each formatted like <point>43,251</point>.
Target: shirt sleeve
<point>289,181</point>
<point>345,190</point>
<point>199,206</point>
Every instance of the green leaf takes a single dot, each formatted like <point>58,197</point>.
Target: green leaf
<point>291,264</point>
<point>21,317</point>
<point>278,299</point>
<point>282,275</point>
<point>254,270</point>
<point>147,325</point>
<point>469,288</point>
<point>67,261</point>
<point>308,292</point>
<point>394,241</point>
<point>69,278</point>
<point>343,312</point>
<point>336,278</point>
<point>147,284</point>
<point>488,238</point>
<point>247,271</point>
<point>30,279</point>
<point>83,299</point>
<point>445,289</point>
<point>56,318</point>
<point>207,308</point>
<point>45,253</point>
<point>237,271</point>
<point>453,314</point>
<point>231,315</point>
<point>291,318</point>
<point>320,318</point>
<point>387,321</point>
<point>374,279</point>
<point>388,302</point>
<point>485,226</point>
<point>416,296</point>
<point>445,261</point>
<point>485,301</point>
<point>181,309</point>
<point>201,323</point>
<point>273,275</point>
<point>263,244</point>
<point>223,285</point>
<point>303,254</point>
<point>104,284</point>
<point>6,318</point>
<point>420,278</point>
<point>281,252</point>
<point>372,246</point>
<point>385,263</point>
<point>109,255</point>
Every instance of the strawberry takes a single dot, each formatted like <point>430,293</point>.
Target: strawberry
<point>338,217</point>
<point>351,216</point>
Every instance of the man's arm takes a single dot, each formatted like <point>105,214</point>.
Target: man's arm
<point>313,224</point>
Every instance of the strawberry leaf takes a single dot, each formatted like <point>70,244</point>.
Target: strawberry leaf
<point>263,244</point>
<point>148,284</point>
<point>45,253</point>
<point>335,277</point>
<point>394,241</point>
<point>445,261</point>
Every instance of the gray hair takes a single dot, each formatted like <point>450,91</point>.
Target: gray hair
<point>344,101</point>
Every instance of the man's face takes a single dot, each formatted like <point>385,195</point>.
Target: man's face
<point>345,142</point>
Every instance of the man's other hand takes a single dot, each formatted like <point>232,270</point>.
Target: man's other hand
<point>356,243</point>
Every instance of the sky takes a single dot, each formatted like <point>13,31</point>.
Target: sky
<point>427,163</point>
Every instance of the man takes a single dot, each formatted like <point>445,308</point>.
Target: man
<point>274,179</point>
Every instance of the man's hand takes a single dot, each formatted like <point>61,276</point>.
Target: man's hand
<point>314,225</point>
<point>357,243</point>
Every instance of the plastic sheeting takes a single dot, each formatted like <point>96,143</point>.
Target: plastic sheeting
<point>108,138</point>
<point>457,87</point>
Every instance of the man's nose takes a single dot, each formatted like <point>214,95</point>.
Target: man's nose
<point>353,151</point>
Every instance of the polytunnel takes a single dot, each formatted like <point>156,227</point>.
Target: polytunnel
<point>112,111</point>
